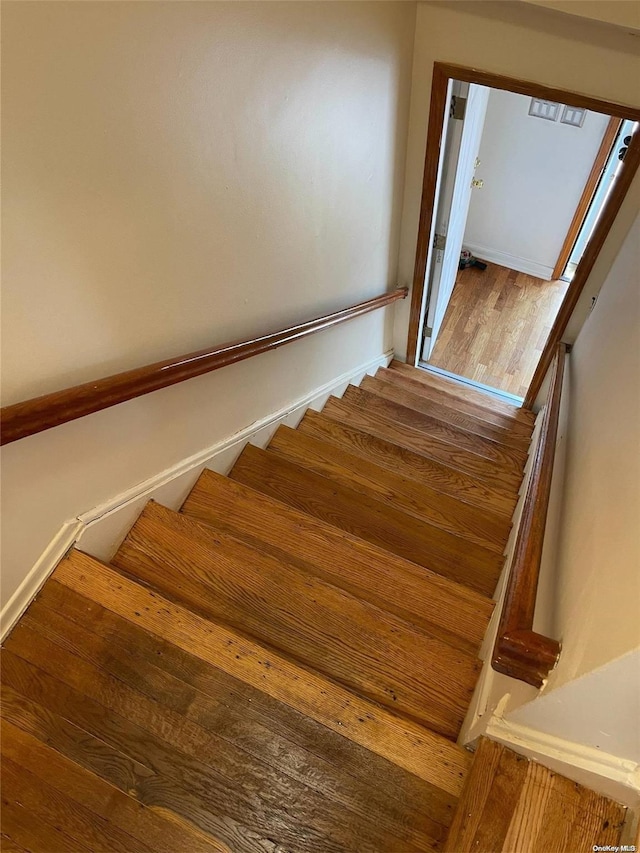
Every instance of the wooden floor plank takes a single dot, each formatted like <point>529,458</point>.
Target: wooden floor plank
<point>272,805</point>
<point>367,650</point>
<point>238,711</point>
<point>370,519</point>
<point>442,608</point>
<point>529,814</point>
<point>446,413</point>
<point>506,787</point>
<point>417,441</point>
<point>458,390</point>
<point>481,527</point>
<point>46,802</point>
<point>496,318</point>
<point>31,833</point>
<point>512,805</point>
<point>129,775</point>
<point>410,746</point>
<point>441,397</point>
<point>8,845</point>
<point>417,819</point>
<point>161,831</point>
<point>509,458</point>
<point>475,795</point>
<point>414,466</point>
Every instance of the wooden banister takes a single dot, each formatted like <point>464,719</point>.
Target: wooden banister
<point>50,410</point>
<point>519,651</point>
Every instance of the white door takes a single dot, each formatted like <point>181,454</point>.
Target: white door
<point>460,153</point>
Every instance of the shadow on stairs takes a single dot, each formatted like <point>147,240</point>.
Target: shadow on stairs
<point>285,664</point>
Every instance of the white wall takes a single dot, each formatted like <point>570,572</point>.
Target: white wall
<point>534,173</point>
<point>621,13</point>
<point>177,175</point>
<point>524,42</point>
<point>600,710</point>
<point>598,553</point>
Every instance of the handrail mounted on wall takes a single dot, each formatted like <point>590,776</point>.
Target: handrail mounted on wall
<point>50,410</point>
<point>519,651</point>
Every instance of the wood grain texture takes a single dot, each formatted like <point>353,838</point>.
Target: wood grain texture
<point>412,438</point>
<point>370,519</point>
<point>458,391</point>
<point>446,413</point>
<point>408,745</point>
<point>412,379</point>
<point>600,161</point>
<point>188,767</point>
<point>482,528</point>
<point>33,833</point>
<point>508,458</point>
<point>414,466</point>
<point>441,608</point>
<point>513,805</point>
<point>270,730</point>
<point>519,651</point>
<point>221,774</point>
<point>496,326</point>
<point>225,580</point>
<point>300,749</point>
<point>50,410</point>
<point>47,803</point>
<point>161,832</point>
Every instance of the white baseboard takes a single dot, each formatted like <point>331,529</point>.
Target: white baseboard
<point>64,539</point>
<point>100,530</point>
<point>610,775</point>
<point>512,262</point>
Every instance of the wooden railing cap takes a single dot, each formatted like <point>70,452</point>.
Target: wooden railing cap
<point>41,413</point>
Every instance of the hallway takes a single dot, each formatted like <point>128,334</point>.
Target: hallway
<point>496,325</point>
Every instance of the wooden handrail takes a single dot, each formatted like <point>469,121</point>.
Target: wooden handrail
<point>50,410</point>
<point>519,651</point>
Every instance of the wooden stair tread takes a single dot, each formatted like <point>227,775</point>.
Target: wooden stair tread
<point>200,744</point>
<point>285,663</point>
<point>430,472</point>
<point>441,607</point>
<point>482,528</point>
<point>271,730</point>
<point>463,391</point>
<point>430,392</point>
<point>512,804</point>
<point>370,519</point>
<point>406,744</point>
<point>371,652</point>
<point>411,438</point>
<point>146,827</point>
<point>510,458</point>
<point>443,412</point>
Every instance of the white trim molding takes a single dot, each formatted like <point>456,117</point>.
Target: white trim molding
<point>610,775</point>
<point>512,262</point>
<point>100,530</point>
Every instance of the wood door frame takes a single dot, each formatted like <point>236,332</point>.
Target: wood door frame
<point>590,187</point>
<point>442,73</point>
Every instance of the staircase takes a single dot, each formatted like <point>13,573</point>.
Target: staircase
<point>284,664</point>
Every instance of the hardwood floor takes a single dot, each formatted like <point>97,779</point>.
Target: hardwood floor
<point>284,665</point>
<point>512,804</point>
<point>496,325</point>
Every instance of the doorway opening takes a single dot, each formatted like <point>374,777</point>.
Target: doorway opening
<point>521,186</point>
